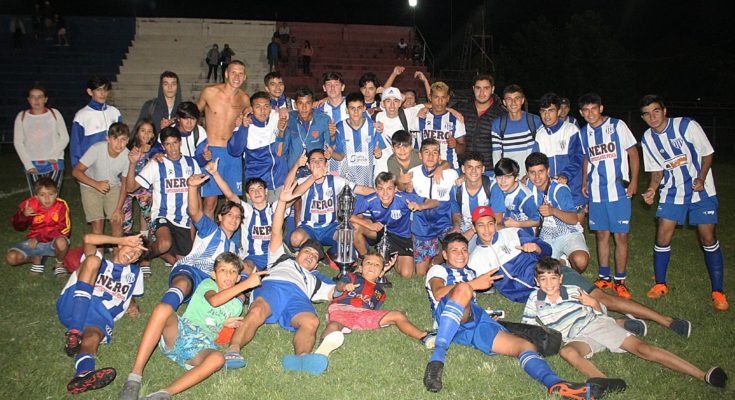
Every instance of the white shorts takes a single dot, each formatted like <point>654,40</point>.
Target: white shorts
<point>567,244</point>
<point>602,333</point>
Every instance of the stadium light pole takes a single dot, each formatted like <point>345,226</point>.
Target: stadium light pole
<point>413,4</point>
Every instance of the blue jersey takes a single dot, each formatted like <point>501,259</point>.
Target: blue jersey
<point>396,217</point>
<point>427,224</point>
<point>90,126</point>
<point>166,179</point>
<point>678,152</point>
<point>606,150</point>
<point>562,145</point>
<point>305,136</point>
<point>516,142</point>
<point>319,203</point>
<point>261,147</point>
<point>470,202</point>
<point>255,232</point>
<point>337,113</point>
<point>520,205</point>
<point>558,196</point>
<point>440,127</point>
<point>209,242</point>
<point>357,146</point>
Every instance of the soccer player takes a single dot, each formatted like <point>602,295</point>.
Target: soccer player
<point>564,112</point>
<point>678,155</point>
<point>609,179</point>
<point>335,107</point>
<point>513,133</point>
<point>91,123</point>
<point>186,121</point>
<point>369,85</point>
<point>443,126</point>
<point>307,129</point>
<point>477,190</point>
<point>275,87</point>
<point>521,210</point>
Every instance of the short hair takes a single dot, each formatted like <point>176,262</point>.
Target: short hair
<point>260,95</point>
<point>313,151</point>
<point>134,140</point>
<point>255,181</point>
<point>229,205</point>
<point>188,109</point>
<point>473,156</point>
<point>549,99</point>
<point>168,132</point>
<point>118,129</point>
<point>439,87</point>
<point>228,258</point>
<point>513,88</point>
<point>649,99</point>
<point>484,77</point>
<point>332,76</point>
<point>547,265</point>
<point>507,166</point>
<point>169,74</point>
<point>374,253</point>
<point>235,62</point>
<point>270,76</point>
<point>410,91</point>
<point>353,97</point>
<point>368,77</point>
<point>401,137</point>
<point>385,177</point>
<point>304,92</point>
<point>95,82</point>
<point>537,158</point>
<point>453,237</point>
<point>429,142</point>
<point>37,86</point>
<point>589,98</point>
<point>45,182</point>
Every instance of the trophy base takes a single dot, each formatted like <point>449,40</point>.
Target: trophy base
<point>383,281</point>
<point>344,269</point>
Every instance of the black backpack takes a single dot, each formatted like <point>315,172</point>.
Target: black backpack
<point>485,186</point>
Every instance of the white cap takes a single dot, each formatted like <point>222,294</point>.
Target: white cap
<point>391,92</point>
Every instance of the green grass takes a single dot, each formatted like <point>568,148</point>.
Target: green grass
<point>376,364</point>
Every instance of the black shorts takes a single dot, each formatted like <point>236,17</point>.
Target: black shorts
<point>396,244</point>
<point>181,241</point>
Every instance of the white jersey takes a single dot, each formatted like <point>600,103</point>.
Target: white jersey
<point>606,149</point>
<point>209,242</point>
<point>319,203</point>
<point>167,182</point>
<point>391,126</point>
<point>357,146</point>
<point>449,276</point>
<point>255,231</point>
<point>288,270</point>
<point>557,143</point>
<point>678,152</point>
<point>439,127</point>
<point>188,144</point>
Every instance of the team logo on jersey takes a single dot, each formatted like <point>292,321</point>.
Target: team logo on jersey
<point>562,145</point>
<point>328,192</point>
<point>442,192</point>
<point>678,143</point>
<point>315,134</point>
<point>608,130</point>
<point>505,249</point>
<point>448,126</point>
<point>395,214</point>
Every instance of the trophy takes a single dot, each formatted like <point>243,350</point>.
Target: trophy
<point>384,249</point>
<point>345,258</point>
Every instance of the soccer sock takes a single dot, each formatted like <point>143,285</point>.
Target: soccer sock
<point>80,305</point>
<point>620,277</point>
<point>715,265</point>
<point>603,272</point>
<point>173,297</point>
<point>449,322</point>
<point>38,268</point>
<point>537,368</point>
<point>84,363</point>
<point>661,257</point>
<point>135,378</point>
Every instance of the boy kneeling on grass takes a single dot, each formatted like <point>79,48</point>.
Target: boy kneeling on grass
<point>357,306</point>
<point>586,329</point>
<point>96,295</point>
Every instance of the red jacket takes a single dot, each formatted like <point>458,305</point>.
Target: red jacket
<point>47,224</point>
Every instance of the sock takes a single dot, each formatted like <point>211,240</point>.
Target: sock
<point>715,265</point>
<point>661,257</point>
<point>84,363</point>
<point>603,272</point>
<point>38,268</point>
<point>620,277</point>
<point>173,297</point>
<point>537,368</point>
<point>80,305</point>
<point>135,378</point>
<point>449,322</point>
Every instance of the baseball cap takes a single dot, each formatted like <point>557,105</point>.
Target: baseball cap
<point>564,100</point>
<point>482,211</point>
<point>314,244</point>
<point>391,92</point>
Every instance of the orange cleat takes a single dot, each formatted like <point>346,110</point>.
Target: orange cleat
<point>657,291</point>
<point>603,284</point>
<point>622,291</point>
<point>719,301</point>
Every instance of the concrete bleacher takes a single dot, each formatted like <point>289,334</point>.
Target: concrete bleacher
<point>97,46</point>
<point>180,45</point>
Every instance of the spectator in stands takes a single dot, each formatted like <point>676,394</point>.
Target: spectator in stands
<point>284,33</point>
<point>212,59</point>
<point>306,54</point>
<point>417,54</point>
<point>91,122</point>
<point>161,110</point>
<point>37,22</point>
<point>40,125</point>
<point>402,47</point>
<point>225,56</point>
<point>60,25</point>
<point>479,114</point>
<point>272,52</point>
<point>293,56</point>
<point>47,13</point>
<point>18,30</point>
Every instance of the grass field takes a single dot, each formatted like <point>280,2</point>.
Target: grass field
<point>371,365</point>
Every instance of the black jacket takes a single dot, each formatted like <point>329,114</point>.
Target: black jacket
<point>478,128</point>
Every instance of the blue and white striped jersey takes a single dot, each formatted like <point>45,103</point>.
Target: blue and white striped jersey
<point>167,182</point>
<point>357,146</point>
<point>439,127</point>
<point>558,196</point>
<point>606,150</point>
<point>470,202</point>
<point>209,242</point>
<point>520,205</point>
<point>449,276</point>
<point>255,231</point>
<point>337,113</point>
<point>319,203</point>
<point>561,143</point>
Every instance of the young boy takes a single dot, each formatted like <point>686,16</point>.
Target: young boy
<point>96,295</point>
<point>47,218</point>
<point>189,340</point>
<point>92,122</point>
<point>451,288</point>
<point>391,210</point>
<point>99,173</point>
<point>404,158</point>
<point>586,329</point>
<point>520,207</point>
<point>356,306</point>
<point>477,190</point>
<point>609,179</point>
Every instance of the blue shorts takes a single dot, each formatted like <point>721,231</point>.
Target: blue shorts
<point>195,275</point>
<point>324,235</point>
<point>190,340</point>
<point>229,168</point>
<point>479,332</point>
<point>610,216</point>
<point>42,249</point>
<point>98,315</point>
<point>260,261</point>
<point>286,301</point>
<point>700,213</point>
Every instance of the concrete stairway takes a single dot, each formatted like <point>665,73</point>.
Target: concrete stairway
<point>180,45</point>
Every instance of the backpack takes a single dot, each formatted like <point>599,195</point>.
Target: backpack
<point>485,186</point>
<point>401,116</point>
<point>504,124</point>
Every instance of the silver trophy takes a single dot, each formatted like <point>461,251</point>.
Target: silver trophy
<point>384,249</point>
<point>345,258</point>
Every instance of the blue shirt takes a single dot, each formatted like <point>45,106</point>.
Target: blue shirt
<point>300,135</point>
<point>396,217</point>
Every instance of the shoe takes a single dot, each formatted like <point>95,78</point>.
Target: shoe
<point>330,343</point>
<point>433,376</point>
<point>573,391</point>
<point>130,391</point>
<point>37,269</point>
<point>73,342</point>
<point>60,271</point>
<point>159,395</point>
<point>429,341</point>
<point>292,362</point>
<point>621,290</point>
<point>233,360</point>
<point>91,380</point>
<point>146,271</point>
<point>608,385</point>
<point>657,291</point>
<point>635,325</point>
<point>602,283</point>
<point>719,301</point>
<point>682,327</point>
<point>716,377</point>
<point>314,364</point>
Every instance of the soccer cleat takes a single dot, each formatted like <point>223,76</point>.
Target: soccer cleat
<point>657,291</point>
<point>91,380</point>
<point>433,376</point>
<point>719,301</point>
<point>682,327</point>
<point>130,390</point>
<point>635,325</point>
<point>573,391</point>
<point>37,269</point>
<point>716,377</point>
<point>621,290</point>
<point>607,385</point>
<point>73,342</point>
<point>429,341</point>
<point>60,272</point>
<point>602,283</point>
